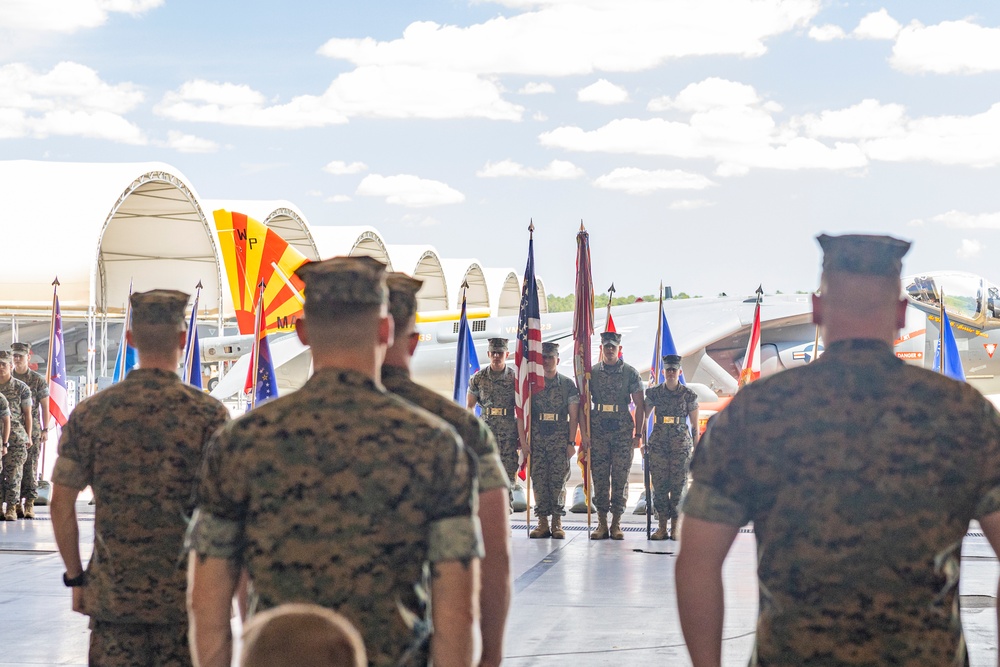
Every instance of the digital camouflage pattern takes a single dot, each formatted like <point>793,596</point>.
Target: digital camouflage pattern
<point>39,392</point>
<point>475,435</point>
<point>139,645</point>
<point>496,391</point>
<point>138,444</point>
<point>18,397</point>
<point>549,439</point>
<point>611,444</point>
<point>860,474</point>
<point>669,445</point>
<point>338,494</point>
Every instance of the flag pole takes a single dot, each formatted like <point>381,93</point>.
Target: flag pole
<point>48,368</point>
<point>815,346</point>
<point>941,345</point>
<point>257,326</point>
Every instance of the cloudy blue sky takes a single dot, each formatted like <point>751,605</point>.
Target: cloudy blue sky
<point>703,142</point>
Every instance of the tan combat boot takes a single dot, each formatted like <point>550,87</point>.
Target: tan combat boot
<point>673,529</point>
<point>19,509</point>
<point>601,533</point>
<point>616,527</point>
<point>557,532</point>
<point>29,508</point>
<point>542,530</point>
<point>661,533</point>
<point>11,513</point>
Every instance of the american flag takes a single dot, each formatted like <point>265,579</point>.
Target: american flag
<point>57,368</point>
<point>528,356</point>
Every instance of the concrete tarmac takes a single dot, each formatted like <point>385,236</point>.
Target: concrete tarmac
<point>576,602</point>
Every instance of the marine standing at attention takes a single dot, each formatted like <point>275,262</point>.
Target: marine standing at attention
<point>21,354</point>
<point>340,494</point>
<point>554,418</point>
<point>493,389</point>
<point>675,433</point>
<point>494,594</point>
<point>18,397</point>
<point>139,445</point>
<point>860,474</point>
<point>615,433</point>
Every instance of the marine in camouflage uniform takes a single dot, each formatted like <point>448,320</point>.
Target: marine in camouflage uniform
<point>18,397</point>
<point>139,445</point>
<point>39,427</point>
<point>860,474</point>
<point>554,415</point>
<point>671,443</point>
<point>614,434</point>
<point>340,493</point>
<point>493,389</point>
<point>495,589</point>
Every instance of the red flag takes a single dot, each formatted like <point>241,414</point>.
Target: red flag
<point>610,328</point>
<point>751,360</point>
<point>583,331</point>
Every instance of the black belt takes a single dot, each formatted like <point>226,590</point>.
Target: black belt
<point>550,417</point>
<point>672,420</point>
<point>494,412</point>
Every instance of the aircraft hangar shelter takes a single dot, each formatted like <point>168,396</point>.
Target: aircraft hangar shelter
<point>103,228</point>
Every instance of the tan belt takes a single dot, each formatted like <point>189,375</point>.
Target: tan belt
<point>604,407</point>
<point>494,412</point>
<point>549,417</point>
<point>673,420</point>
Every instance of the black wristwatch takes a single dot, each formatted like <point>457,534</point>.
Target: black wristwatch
<point>78,580</point>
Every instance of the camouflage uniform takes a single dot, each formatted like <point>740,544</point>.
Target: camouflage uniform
<point>670,444</point>
<point>39,392</point>
<point>476,436</point>
<point>860,474</point>
<point>18,397</point>
<point>379,486</point>
<point>139,445</point>
<point>612,432</point>
<point>549,437</point>
<point>495,393</point>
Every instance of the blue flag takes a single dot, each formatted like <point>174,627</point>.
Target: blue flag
<point>267,383</point>
<point>665,344</point>
<point>952,360</point>
<point>192,353</point>
<point>127,357</point>
<point>466,361</point>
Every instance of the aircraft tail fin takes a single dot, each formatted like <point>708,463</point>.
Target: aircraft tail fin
<point>253,253</point>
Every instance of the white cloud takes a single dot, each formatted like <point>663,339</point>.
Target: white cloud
<point>232,104</point>
<point>384,92</point>
<point>869,119</point>
<point>956,140</point>
<point>532,88</point>
<point>728,123</point>
<point>557,170</point>
<point>950,47</point>
<point>962,220</point>
<point>66,16</point>
<point>558,38</point>
<point>408,190</point>
<point>641,181</point>
<point>877,25</point>
<point>539,116</point>
<point>602,92</point>
<point>826,33</point>
<point>69,100</point>
<point>337,199</point>
<point>188,143</point>
<point>690,204</point>
<point>340,168</point>
<point>970,249</point>
<point>711,93</point>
